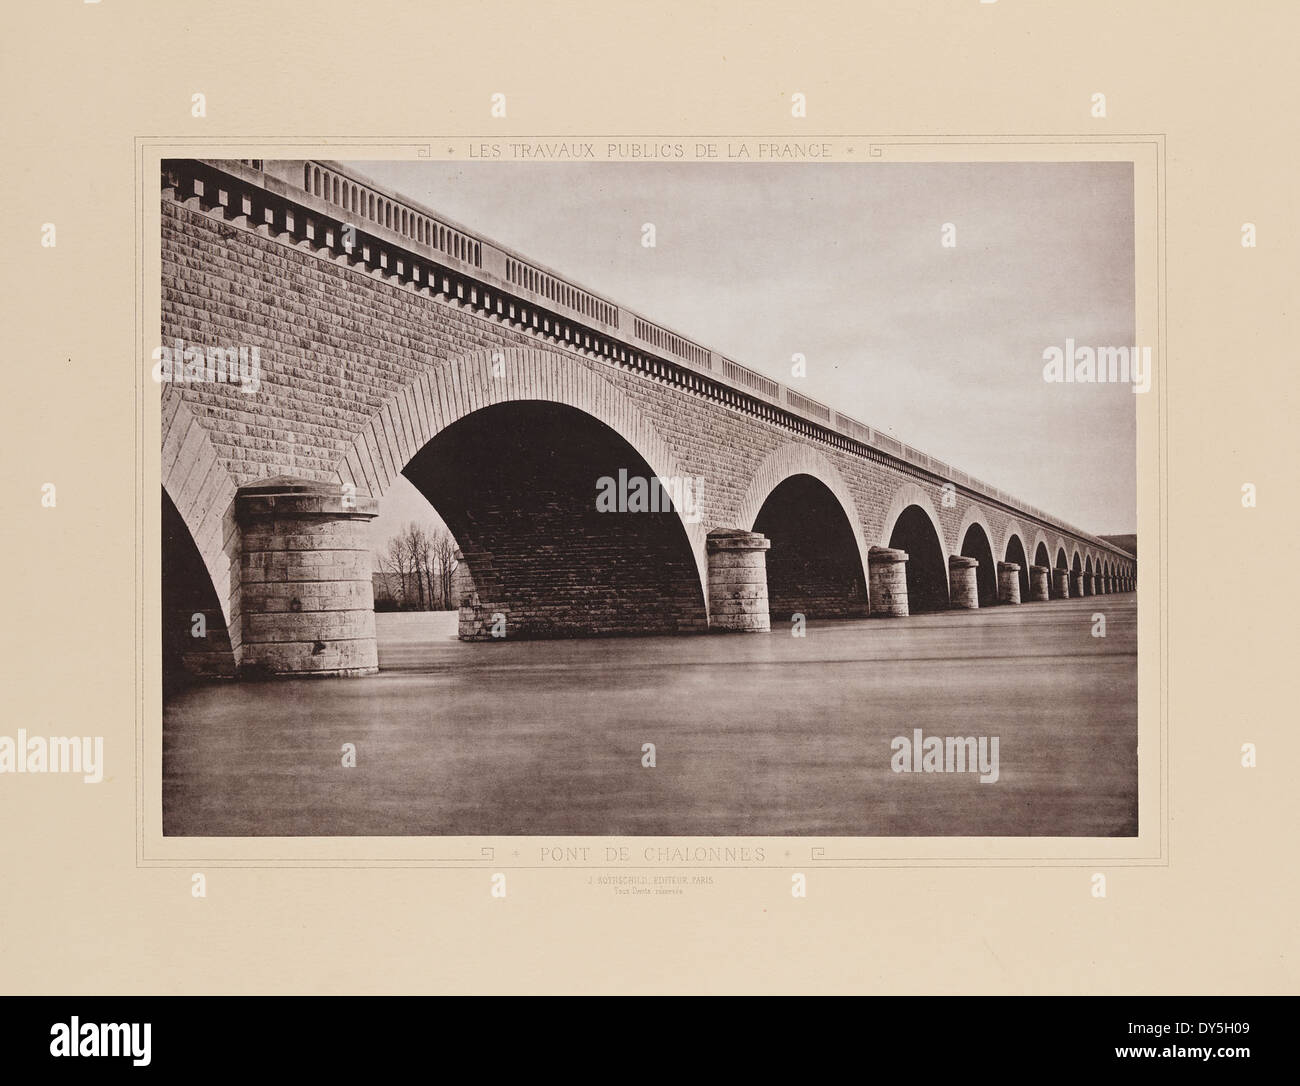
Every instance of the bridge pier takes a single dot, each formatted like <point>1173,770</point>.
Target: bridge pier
<point>1089,585</point>
<point>305,598</point>
<point>963,583</point>
<point>738,581</point>
<point>1040,587</point>
<point>1008,582</point>
<point>1061,584</point>
<point>1076,585</point>
<point>887,582</point>
<point>464,593</point>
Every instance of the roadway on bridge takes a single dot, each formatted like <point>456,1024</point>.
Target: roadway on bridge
<point>754,734</point>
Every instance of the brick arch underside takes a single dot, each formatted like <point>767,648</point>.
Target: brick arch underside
<point>817,559</point>
<point>511,462</point>
<point>1014,550</point>
<point>913,525</point>
<point>975,539</point>
<point>198,548</point>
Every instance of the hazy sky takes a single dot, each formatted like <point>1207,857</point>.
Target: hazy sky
<point>941,347</point>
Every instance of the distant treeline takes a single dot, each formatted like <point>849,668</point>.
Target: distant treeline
<point>415,571</point>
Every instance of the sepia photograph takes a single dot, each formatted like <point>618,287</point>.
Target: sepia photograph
<point>720,492</point>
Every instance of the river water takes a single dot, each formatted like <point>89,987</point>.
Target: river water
<point>754,734</point>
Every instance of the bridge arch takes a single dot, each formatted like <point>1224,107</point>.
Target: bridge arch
<point>975,540</point>
<point>200,488</point>
<point>911,524</point>
<point>1013,550</point>
<point>817,561</point>
<point>1013,528</point>
<point>199,547</point>
<point>1042,554</point>
<point>434,431</point>
<point>1061,561</point>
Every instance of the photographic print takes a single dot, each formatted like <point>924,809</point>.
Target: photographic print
<point>715,491</point>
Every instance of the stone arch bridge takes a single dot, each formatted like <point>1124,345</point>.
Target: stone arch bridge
<point>380,339</point>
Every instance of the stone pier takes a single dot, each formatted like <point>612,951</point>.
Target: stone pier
<point>963,583</point>
<point>306,599</point>
<point>464,594</point>
<point>738,581</point>
<point>887,581</point>
<point>1061,584</point>
<point>1040,585</point>
<point>1008,582</point>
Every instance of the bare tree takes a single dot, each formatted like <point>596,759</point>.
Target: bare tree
<point>417,566</point>
<point>394,565</point>
<point>444,549</point>
<point>418,551</point>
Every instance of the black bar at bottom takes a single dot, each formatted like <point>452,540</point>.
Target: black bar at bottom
<point>381,1033</point>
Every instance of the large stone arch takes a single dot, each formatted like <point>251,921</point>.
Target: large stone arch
<point>199,549</point>
<point>987,573</point>
<point>196,480</point>
<point>1025,558</point>
<point>909,494</point>
<point>798,459</point>
<point>1013,528</point>
<point>451,389</point>
<point>1041,540</point>
<point>817,561</point>
<point>975,515</point>
<point>912,494</point>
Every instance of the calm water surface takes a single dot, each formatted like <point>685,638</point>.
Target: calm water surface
<point>754,734</point>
